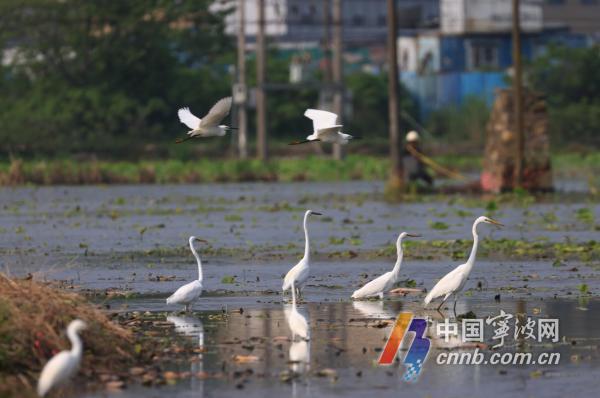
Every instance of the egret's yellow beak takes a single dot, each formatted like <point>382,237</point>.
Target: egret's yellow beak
<point>495,222</point>
<point>201,240</point>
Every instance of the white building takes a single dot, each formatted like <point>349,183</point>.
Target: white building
<point>297,23</point>
<point>487,16</point>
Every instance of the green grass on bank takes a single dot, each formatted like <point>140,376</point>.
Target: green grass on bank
<point>205,170</point>
<point>309,168</point>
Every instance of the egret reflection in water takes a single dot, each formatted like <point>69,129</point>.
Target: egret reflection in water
<point>299,354</point>
<point>375,309</point>
<point>192,327</point>
<point>296,321</point>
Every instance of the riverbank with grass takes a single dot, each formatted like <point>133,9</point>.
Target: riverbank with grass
<point>33,319</point>
<point>309,168</point>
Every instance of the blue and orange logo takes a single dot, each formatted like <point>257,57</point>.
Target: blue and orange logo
<point>419,348</point>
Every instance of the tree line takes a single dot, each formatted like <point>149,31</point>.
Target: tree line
<point>106,77</point>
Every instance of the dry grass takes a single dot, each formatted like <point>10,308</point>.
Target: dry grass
<point>33,318</point>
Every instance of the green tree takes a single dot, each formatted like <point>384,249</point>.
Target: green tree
<point>570,80</point>
<point>104,75</point>
<point>463,123</point>
<point>370,105</point>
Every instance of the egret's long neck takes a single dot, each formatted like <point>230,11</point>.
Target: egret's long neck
<point>396,270</point>
<point>306,238</point>
<point>76,345</point>
<point>471,259</point>
<point>197,260</point>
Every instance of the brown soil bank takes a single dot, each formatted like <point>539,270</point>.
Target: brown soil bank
<point>33,318</point>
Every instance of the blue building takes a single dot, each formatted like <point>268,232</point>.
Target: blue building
<point>471,53</point>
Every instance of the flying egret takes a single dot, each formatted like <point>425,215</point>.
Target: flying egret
<point>385,282</point>
<point>64,364</point>
<point>189,292</point>
<point>325,128</point>
<point>209,125</point>
<point>299,272</point>
<point>454,281</point>
<point>296,321</point>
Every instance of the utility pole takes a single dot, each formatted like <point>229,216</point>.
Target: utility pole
<point>338,96</point>
<point>261,120</point>
<point>517,94</point>
<point>327,41</point>
<point>241,80</point>
<point>395,182</point>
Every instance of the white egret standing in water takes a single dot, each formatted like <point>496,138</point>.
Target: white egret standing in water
<point>325,128</point>
<point>188,293</point>
<point>299,272</point>
<point>64,364</point>
<point>385,282</point>
<point>209,125</point>
<point>296,321</point>
<point>454,281</point>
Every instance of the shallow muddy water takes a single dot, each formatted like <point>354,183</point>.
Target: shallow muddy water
<point>126,246</point>
<point>330,280</point>
<point>345,341</point>
<point>48,229</point>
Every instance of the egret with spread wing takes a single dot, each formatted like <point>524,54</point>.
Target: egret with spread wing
<point>299,272</point>
<point>64,364</point>
<point>385,282</point>
<point>209,125</point>
<point>188,293</point>
<point>454,281</point>
<point>325,128</point>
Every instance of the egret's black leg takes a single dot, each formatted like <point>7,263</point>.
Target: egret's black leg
<point>180,140</point>
<point>455,300</point>
<point>442,303</point>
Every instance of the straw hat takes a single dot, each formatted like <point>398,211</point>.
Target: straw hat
<point>412,136</point>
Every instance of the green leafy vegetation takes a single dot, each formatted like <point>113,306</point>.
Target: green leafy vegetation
<point>311,168</point>
<point>585,214</point>
<point>333,240</point>
<point>464,123</point>
<point>233,218</point>
<point>440,225</point>
<point>491,206</point>
<point>569,78</point>
<point>228,279</point>
<point>112,72</point>
<point>410,283</point>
